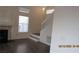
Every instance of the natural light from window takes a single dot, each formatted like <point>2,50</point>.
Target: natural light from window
<point>23,24</point>
<point>50,11</point>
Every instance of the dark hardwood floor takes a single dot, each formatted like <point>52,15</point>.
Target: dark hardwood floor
<point>23,46</point>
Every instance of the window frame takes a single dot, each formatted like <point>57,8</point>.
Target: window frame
<point>18,24</point>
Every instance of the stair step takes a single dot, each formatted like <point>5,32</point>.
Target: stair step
<point>36,36</point>
<point>33,38</point>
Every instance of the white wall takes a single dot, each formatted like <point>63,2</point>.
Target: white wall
<point>65,29</point>
<point>9,16</point>
<point>15,21</point>
<point>4,16</point>
<point>36,17</point>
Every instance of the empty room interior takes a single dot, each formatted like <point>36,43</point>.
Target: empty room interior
<point>25,29</point>
<point>39,29</point>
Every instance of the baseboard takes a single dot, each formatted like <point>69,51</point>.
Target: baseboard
<point>18,38</point>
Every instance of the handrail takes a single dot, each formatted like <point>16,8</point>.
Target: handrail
<point>44,21</point>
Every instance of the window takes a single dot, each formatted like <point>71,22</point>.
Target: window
<point>23,24</point>
<point>50,11</point>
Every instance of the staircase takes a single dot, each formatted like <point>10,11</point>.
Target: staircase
<point>35,36</point>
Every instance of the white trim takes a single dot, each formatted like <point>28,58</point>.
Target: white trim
<point>35,36</point>
<point>44,22</point>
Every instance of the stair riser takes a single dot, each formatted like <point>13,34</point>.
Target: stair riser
<point>33,39</point>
